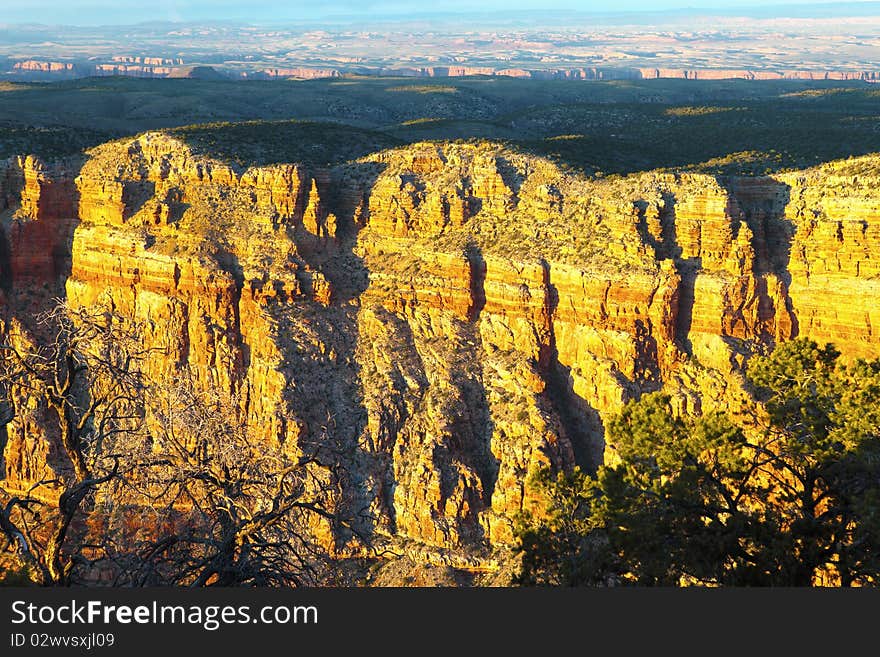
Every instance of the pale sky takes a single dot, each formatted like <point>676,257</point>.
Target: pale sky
<point>98,12</point>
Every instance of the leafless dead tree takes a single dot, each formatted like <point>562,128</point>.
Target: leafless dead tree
<point>224,506</point>
<point>162,483</point>
<point>87,375</point>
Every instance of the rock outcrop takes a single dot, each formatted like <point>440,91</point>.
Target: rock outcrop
<point>449,317</point>
<point>162,67</point>
<point>41,68</point>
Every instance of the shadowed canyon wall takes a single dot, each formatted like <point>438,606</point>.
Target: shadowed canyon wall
<point>448,317</point>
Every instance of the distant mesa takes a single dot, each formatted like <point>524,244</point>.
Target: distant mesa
<point>160,67</point>
<point>140,67</point>
<point>291,73</point>
<point>196,73</point>
<point>43,67</point>
<point>147,61</point>
<point>38,69</point>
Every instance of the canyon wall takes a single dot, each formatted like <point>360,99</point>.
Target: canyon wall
<point>38,214</point>
<point>447,318</point>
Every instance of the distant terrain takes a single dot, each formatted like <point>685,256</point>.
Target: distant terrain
<point>814,42</point>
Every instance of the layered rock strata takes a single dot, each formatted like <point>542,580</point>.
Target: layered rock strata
<point>448,317</point>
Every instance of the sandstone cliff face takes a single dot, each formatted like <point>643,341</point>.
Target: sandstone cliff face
<point>37,216</point>
<point>833,211</point>
<point>446,317</point>
<point>39,213</point>
<point>200,255</point>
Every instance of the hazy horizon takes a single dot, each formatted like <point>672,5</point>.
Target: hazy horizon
<point>125,12</point>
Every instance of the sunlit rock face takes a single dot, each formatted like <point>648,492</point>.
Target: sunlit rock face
<point>449,317</point>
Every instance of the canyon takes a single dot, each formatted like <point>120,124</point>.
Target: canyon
<point>451,317</point>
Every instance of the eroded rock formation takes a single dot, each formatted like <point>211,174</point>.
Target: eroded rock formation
<point>448,317</point>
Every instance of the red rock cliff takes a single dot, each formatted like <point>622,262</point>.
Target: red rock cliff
<point>448,317</point>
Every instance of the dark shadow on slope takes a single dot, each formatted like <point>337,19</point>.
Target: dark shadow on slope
<point>5,263</point>
<point>470,433</point>
<point>509,174</point>
<point>47,142</point>
<point>35,263</point>
<point>688,270</point>
<point>659,247</point>
<point>173,207</point>
<point>481,458</point>
<point>668,247</point>
<point>477,264</point>
<point>444,418</point>
<point>581,422</point>
<point>228,262</point>
<point>135,194</point>
<point>319,343</point>
<point>397,395</point>
<point>763,201</point>
<point>647,365</point>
